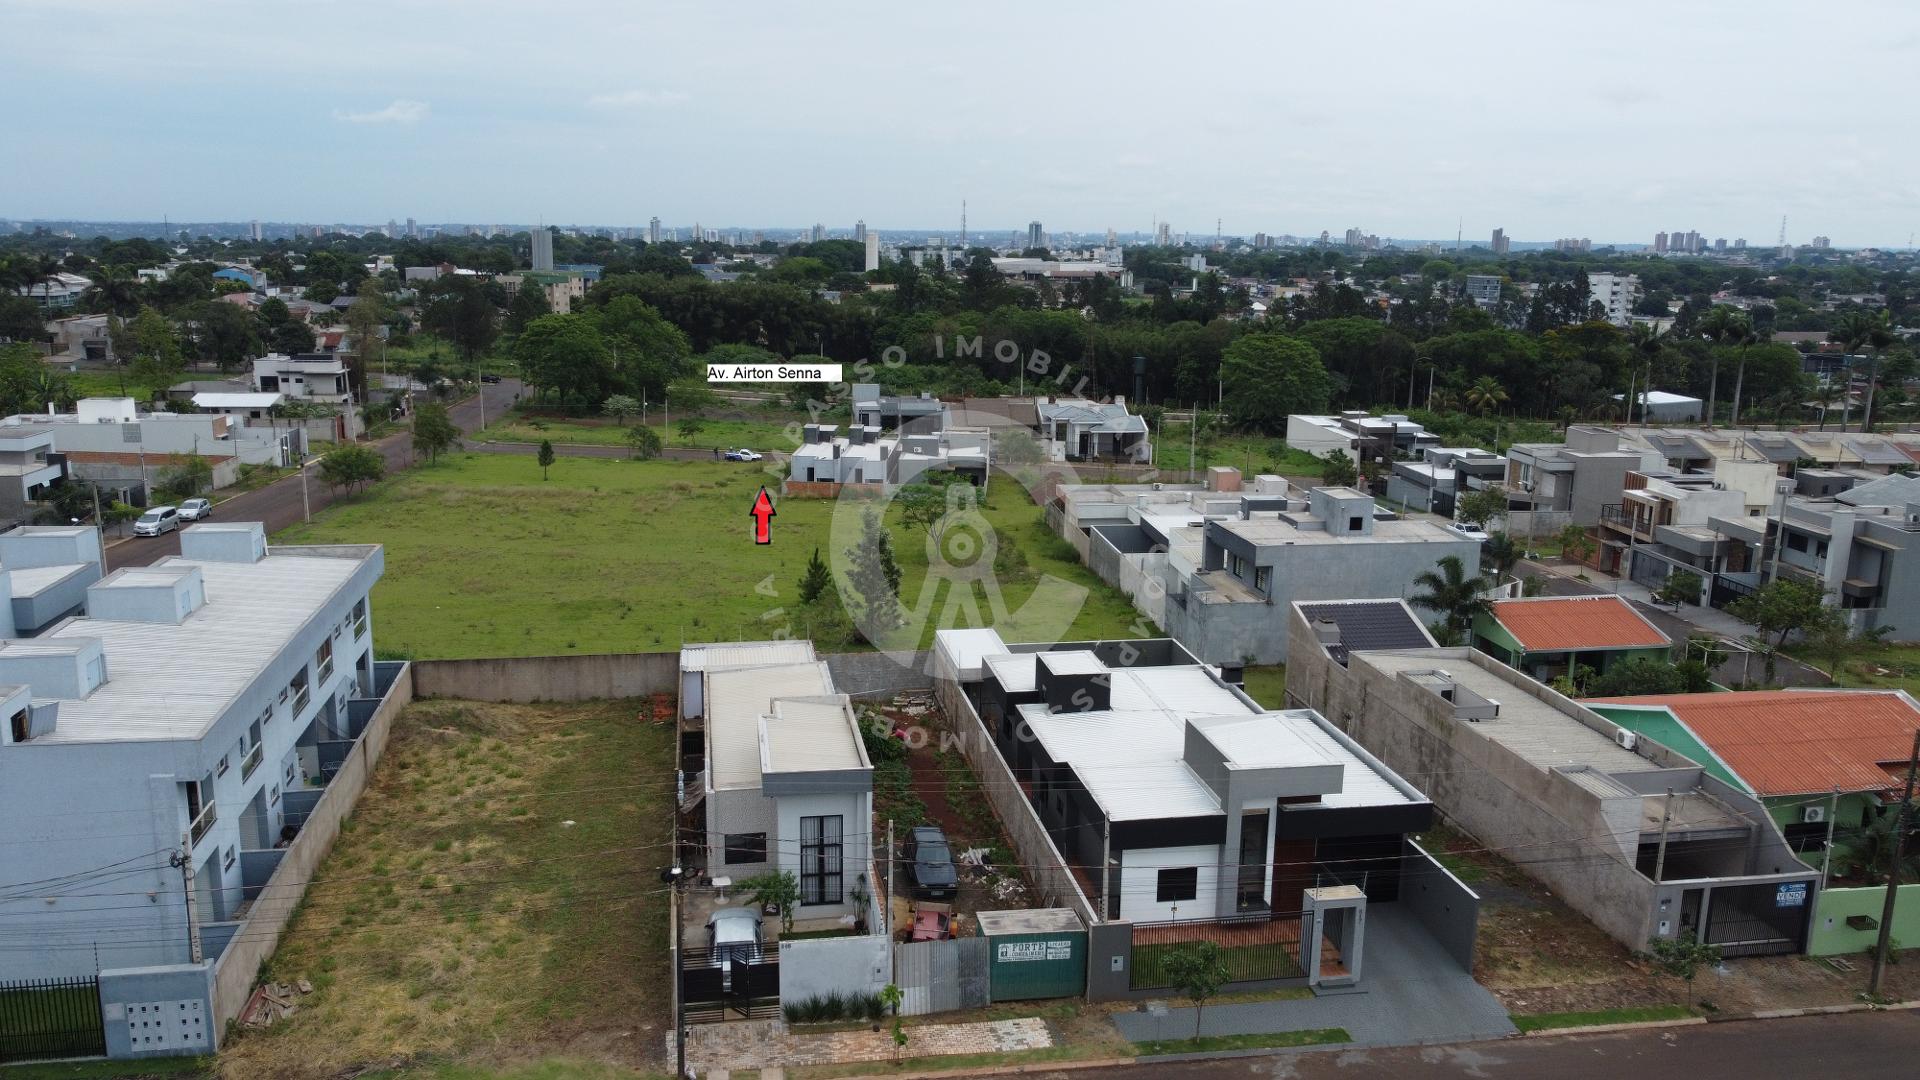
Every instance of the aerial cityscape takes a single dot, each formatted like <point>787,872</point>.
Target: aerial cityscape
<point>652,543</point>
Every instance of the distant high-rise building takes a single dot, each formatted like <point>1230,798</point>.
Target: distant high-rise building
<point>1720,244</point>
<point>1616,293</point>
<point>1574,244</point>
<point>1500,242</point>
<point>859,232</point>
<point>653,231</point>
<point>1659,243</point>
<point>1484,290</point>
<point>542,248</point>
<point>1163,235</point>
<point>1740,244</point>
<point>1035,236</point>
<point>393,228</point>
<point>413,229</point>
<point>253,231</point>
<point>819,232</point>
<point>872,242</point>
<point>1820,242</point>
<point>1113,238</point>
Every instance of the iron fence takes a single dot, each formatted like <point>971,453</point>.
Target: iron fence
<point>51,1018</point>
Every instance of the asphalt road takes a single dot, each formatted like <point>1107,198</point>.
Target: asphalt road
<point>1854,1044</point>
<point>279,503</point>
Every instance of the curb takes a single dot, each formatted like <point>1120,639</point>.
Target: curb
<point>1731,1018</point>
<point>1023,1069</point>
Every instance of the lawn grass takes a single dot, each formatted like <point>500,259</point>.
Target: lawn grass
<point>1635,1015</point>
<point>1273,1040</point>
<point>1252,454</point>
<point>1267,684</point>
<point>43,1022</point>
<point>147,1069</point>
<point>1885,665</point>
<point>486,559</point>
<point>762,435</point>
<point>1244,963</point>
<point>493,898</point>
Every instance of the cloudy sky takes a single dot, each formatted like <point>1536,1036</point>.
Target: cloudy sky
<point>1548,117</point>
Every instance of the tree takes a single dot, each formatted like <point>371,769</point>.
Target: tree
<point>1681,587</point>
<point>816,580</point>
<point>1265,377</point>
<point>352,467</point>
<point>1832,640</point>
<point>1199,969</point>
<point>292,336</point>
<point>224,334</point>
<point>621,407</point>
<point>529,303</point>
<point>366,318</point>
<point>1779,609</point>
<point>186,475</point>
<point>642,442</point>
<point>1857,331</point>
<point>1477,508</point>
<point>1457,598</point>
<point>151,348</point>
<point>1640,675</point>
<point>689,426</point>
<point>1337,469</point>
<point>1868,850</point>
<point>463,314</point>
<point>433,431</point>
<point>1576,544</point>
<point>890,999</point>
<point>1486,394</point>
<point>117,514</point>
<point>649,352</point>
<point>546,457</point>
<point>1502,553</point>
<point>1724,326</point>
<point>874,580</point>
<point>565,354</point>
<point>777,889</point>
<point>1683,957</point>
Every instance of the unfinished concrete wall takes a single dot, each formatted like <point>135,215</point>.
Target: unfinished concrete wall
<point>1443,903</point>
<point>550,678</point>
<point>880,674</point>
<point>812,968</point>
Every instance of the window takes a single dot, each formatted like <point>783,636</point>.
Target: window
<point>1796,541</point>
<point>746,847</point>
<point>300,695</point>
<point>227,860</point>
<point>323,660</point>
<point>1177,884</point>
<point>360,618</point>
<point>221,769</point>
<point>820,875</point>
<point>19,726</point>
<point>1236,565</point>
<point>1262,578</point>
<point>1354,524</point>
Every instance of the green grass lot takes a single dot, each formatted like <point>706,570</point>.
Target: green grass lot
<point>760,435</point>
<point>1272,1040</point>
<point>1883,666</point>
<point>1267,685</point>
<point>185,1068</point>
<point>1640,1015</point>
<point>609,555</point>
<point>1244,963</point>
<point>42,1022</point>
<point>494,898</point>
<point>1260,453</point>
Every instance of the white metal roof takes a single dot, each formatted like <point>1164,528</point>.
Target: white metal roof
<point>743,654</point>
<point>1073,662</point>
<point>237,401</point>
<point>736,699</point>
<point>33,580</point>
<point>172,681</point>
<point>1015,672</point>
<point>1360,783</point>
<point>1261,741</point>
<point>1128,761</point>
<point>811,734</point>
<point>965,649</point>
<point>1190,691</point>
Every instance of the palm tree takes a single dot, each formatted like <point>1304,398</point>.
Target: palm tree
<point>1869,849</point>
<point>1861,331</point>
<point>1450,592</point>
<point>114,291</point>
<point>1486,394</point>
<point>1501,553</point>
<point>1826,395</point>
<point>1722,325</point>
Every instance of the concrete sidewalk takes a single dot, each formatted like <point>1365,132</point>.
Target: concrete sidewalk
<point>757,1044</point>
<point>1410,992</point>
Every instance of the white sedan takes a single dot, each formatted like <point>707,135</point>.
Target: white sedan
<point>742,454</point>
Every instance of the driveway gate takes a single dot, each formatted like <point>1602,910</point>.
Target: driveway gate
<point>51,1018</point>
<point>741,984</point>
<point>1759,920</point>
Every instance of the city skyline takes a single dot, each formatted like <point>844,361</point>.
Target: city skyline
<point>510,114</point>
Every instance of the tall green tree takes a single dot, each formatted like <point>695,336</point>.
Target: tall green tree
<point>567,355</point>
<point>150,347</point>
<point>874,581</point>
<point>816,580</point>
<point>1452,594</point>
<point>224,335</point>
<point>1778,610</point>
<point>545,457</point>
<point>1266,376</point>
<point>434,432</point>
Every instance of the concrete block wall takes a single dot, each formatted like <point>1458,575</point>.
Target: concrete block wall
<point>153,1012</point>
<point>816,967</point>
<point>1444,904</point>
<point>550,678</point>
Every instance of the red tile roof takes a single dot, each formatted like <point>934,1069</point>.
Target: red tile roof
<point>1560,624</point>
<point>1801,742</point>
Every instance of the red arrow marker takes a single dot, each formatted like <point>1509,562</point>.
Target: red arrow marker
<point>762,515</point>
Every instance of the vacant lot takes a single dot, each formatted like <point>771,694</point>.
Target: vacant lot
<point>494,899</point>
<point>762,435</point>
<point>486,559</point>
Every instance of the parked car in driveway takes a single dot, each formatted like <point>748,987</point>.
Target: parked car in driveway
<point>196,509</point>
<point>933,875</point>
<point>489,378</point>
<point>733,937</point>
<point>157,520</point>
<point>742,454</point>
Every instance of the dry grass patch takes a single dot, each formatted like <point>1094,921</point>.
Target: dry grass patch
<point>495,896</point>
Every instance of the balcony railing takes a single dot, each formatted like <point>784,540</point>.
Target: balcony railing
<point>202,823</point>
<point>360,627</point>
<point>326,672</point>
<point>252,760</point>
<point>301,700</point>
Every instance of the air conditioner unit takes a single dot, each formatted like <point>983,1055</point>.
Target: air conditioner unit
<point>1627,739</point>
<point>1813,815</point>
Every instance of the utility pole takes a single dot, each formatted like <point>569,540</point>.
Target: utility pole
<point>1826,853</point>
<point>893,965</point>
<point>306,506</point>
<point>1900,825</point>
<point>185,861</point>
<point>1193,431</point>
<point>1666,816</point>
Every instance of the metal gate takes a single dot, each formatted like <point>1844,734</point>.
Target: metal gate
<point>735,983</point>
<point>1759,920</point>
<point>941,976</point>
<point>51,1018</point>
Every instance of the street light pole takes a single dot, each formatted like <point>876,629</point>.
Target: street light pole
<point>1901,822</point>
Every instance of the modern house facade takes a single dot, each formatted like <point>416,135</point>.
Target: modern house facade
<point>1075,429</point>
<point>29,468</point>
<point>825,461</point>
<point>193,714</point>
<point>783,780</point>
<point>924,414</point>
<point>1359,436</point>
<point>1434,483</point>
<point>1573,480</point>
<point>1861,547</point>
<point>1638,838</point>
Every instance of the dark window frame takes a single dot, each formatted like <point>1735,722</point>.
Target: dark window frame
<point>822,859</point>
<point>736,847</point>
<point>1185,879</point>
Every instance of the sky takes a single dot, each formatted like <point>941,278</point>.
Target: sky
<point>1549,118</point>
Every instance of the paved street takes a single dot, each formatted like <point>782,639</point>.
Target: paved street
<point>279,504</point>
<point>1855,1044</point>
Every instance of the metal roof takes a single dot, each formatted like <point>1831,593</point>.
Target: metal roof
<point>1128,761</point>
<point>237,401</point>
<point>811,734</point>
<point>967,649</point>
<point>1799,742</point>
<point>736,699</point>
<point>744,654</point>
<point>173,681</point>
<point>1569,623</point>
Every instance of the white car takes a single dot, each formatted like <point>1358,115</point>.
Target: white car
<point>157,520</point>
<point>196,509</point>
<point>742,454</point>
<point>1469,531</point>
<point>733,937</point>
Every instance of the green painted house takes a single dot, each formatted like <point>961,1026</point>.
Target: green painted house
<point>1546,636</point>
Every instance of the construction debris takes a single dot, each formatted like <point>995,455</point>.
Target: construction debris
<point>273,1001</point>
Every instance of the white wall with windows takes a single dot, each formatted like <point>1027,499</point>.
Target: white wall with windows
<point>824,840</point>
<point>1165,884</point>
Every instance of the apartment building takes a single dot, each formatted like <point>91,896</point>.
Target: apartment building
<point>1574,480</point>
<point>1616,294</point>
<point>195,712</point>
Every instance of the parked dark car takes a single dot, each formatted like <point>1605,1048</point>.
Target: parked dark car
<point>933,874</point>
<point>489,378</point>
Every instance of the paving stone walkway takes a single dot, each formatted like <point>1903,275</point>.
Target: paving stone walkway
<point>758,1044</point>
